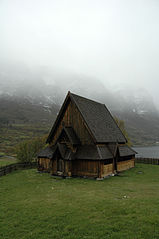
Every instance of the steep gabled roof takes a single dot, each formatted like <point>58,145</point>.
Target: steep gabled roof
<point>97,117</point>
<point>99,120</point>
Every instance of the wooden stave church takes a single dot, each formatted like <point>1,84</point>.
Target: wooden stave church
<point>85,141</point>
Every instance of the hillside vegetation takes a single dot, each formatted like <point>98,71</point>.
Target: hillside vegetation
<point>37,206</point>
<point>12,135</point>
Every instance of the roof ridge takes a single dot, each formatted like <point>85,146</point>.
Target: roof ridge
<point>94,101</point>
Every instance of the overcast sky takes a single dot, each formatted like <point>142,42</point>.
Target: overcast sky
<point>115,41</point>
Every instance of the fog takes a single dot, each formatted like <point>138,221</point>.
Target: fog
<point>114,42</point>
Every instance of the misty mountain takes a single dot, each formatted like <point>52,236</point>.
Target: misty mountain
<point>30,96</point>
<point>44,85</point>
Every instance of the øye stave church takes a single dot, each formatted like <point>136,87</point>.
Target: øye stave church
<point>85,141</point>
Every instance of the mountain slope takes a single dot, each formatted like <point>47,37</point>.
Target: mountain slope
<point>35,96</point>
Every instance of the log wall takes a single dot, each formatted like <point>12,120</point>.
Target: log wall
<point>73,118</point>
<point>106,169</point>
<point>124,165</point>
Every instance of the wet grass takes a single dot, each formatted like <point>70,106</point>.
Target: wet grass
<point>36,206</point>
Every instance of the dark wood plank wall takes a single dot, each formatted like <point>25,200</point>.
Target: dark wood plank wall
<point>77,168</point>
<point>88,168</point>
<point>85,168</point>
<point>67,167</point>
<point>72,117</point>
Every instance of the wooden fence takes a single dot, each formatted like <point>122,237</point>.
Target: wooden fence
<point>147,160</point>
<point>12,167</point>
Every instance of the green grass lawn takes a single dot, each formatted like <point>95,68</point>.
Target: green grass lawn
<point>36,206</point>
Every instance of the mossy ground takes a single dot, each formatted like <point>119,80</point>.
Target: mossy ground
<point>36,206</point>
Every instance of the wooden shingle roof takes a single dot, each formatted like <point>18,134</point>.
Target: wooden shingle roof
<point>99,120</point>
<point>104,152</point>
<point>46,152</point>
<point>93,152</point>
<point>97,117</point>
<point>126,151</point>
<point>113,148</point>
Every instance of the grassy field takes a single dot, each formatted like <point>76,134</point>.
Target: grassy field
<point>36,206</point>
